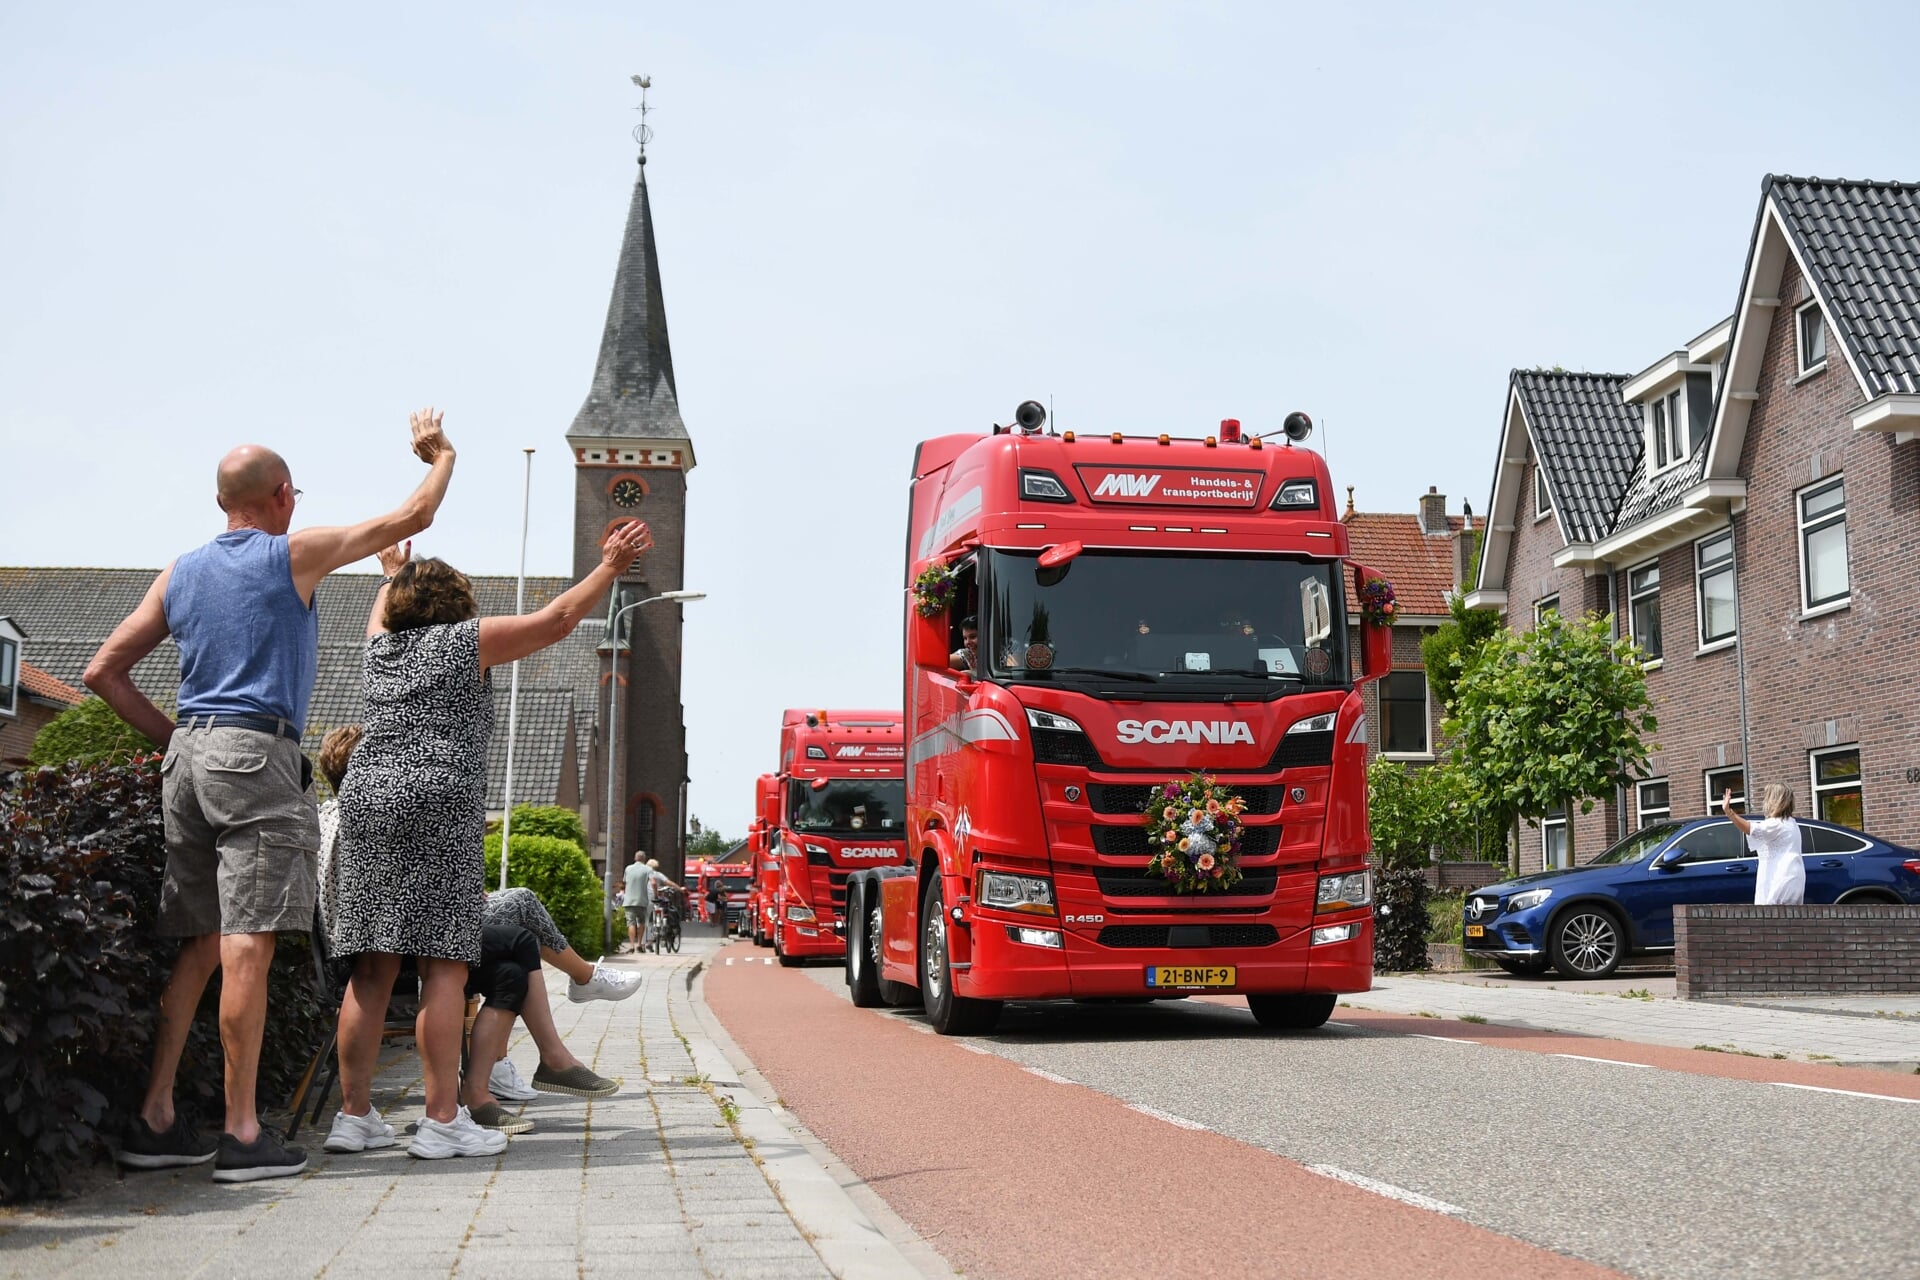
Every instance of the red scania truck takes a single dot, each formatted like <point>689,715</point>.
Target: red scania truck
<point>1141,609</point>
<point>766,862</point>
<point>838,805</point>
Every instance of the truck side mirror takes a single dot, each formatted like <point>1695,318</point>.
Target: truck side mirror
<point>927,641</point>
<point>1376,651</point>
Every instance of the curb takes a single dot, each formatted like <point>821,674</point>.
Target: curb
<point>856,1233</point>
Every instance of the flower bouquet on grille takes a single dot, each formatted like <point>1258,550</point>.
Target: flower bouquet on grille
<point>933,590</point>
<point>1195,834</point>
<point>1377,605</point>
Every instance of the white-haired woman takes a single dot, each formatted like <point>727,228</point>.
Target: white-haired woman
<point>1776,840</point>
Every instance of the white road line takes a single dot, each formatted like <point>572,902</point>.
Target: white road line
<point>729,959</point>
<point>1344,1026</point>
<point>766,960</point>
<point>1421,1035</point>
<point>1387,1189</point>
<point>1612,1062</point>
<point>974,1048</point>
<point>1851,1093</point>
<point>1048,1075</point>
<point>1169,1117</point>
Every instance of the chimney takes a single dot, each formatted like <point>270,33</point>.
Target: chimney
<point>1433,513</point>
<point>1463,551</point>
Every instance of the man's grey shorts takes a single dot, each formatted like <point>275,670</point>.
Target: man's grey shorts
<point>243,836</point>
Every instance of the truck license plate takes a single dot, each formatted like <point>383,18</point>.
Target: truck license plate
<point>1180,975</point>
<point>1476,931</point>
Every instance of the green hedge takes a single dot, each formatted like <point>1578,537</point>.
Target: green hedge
<point>547,820</point>
<point>561,874</point>
<point>89,733</point>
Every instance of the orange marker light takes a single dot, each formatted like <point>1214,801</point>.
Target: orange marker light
<point>1116,437</point>
<point>1212,443</point>
<point>1164,439</point>
<point>1067,436</point>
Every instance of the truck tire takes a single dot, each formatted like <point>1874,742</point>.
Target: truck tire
<point>1291,1012</point>
<point>863,970</point>
<point>949,1013</point>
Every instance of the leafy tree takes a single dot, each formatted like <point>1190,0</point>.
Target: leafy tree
<point>547,820</point>
<point>1452,647</point>
<point>89,733</point>
<point>559,872</point>
<point>1550,717</point>
<point>1412,812</point>
<point>708,844</point>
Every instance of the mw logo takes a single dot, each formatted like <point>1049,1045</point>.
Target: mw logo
<point>850,753</point>
<point>1157,731</point>
<point>1126,485</point>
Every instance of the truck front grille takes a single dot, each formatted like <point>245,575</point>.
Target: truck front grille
<point>1304,750</point>
<point>1063,746</point>
<point>1132,882</point>
<point>1117,797</point>
<point>1131,842</point>
<point>1144,936</point>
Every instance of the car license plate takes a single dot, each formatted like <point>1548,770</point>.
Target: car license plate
<point>1476,931</point>
<point>1181,975</point>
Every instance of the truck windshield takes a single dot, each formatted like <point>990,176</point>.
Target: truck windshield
<point>847,805</point>
<point>1175,619</point>
<point>735,884</point>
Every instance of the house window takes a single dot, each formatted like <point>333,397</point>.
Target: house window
<point>1653,801</point>
<point>1544,606</point>
<point>1823,544</point>
<point>1669,430</point>
<point>1719,780</point>
<point>1812,328</point>
<point>645,818</point>
<point>1403,711</point>
<point>1713,585</point>
<point>1553,840</point>
<point>1643,607</point>
<point>1836,786</point>
<point>1542,501</point>
<point>9,674</point>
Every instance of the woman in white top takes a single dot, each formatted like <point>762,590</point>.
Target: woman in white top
<point>1776,840</point>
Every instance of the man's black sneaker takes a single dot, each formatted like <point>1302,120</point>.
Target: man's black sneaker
<point>180,1145</point>
<point>265,1157</point>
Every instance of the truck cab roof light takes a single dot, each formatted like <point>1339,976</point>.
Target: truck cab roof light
<point>1067,436</point>
<point>1213,442</point>
<point>1165,438</point>
<point>1254,443</point>
<point>1296,495</point>
<point>1230,430</point>
<point>1117,437</point>
<point>1043,486</point>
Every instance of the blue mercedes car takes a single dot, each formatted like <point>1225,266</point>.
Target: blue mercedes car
<point>1584,920</point>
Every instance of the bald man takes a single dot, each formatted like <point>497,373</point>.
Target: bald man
<point>242,831</point>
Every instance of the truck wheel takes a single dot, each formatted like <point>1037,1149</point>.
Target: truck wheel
<point>950,1014</point>
<point>863,947</point>
<point>1291,1013</point>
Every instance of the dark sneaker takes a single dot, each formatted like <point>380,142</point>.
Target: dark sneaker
<point>265,1157</point>
<point>576,1080</point>
<point>180,1145</point>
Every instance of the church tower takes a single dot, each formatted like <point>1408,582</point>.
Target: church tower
<point>631,455</point>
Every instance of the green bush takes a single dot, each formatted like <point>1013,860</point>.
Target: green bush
<point>559,872</point>
<point>1445,919</point>
<point>1399,920</point>
<point>89,733</point>
<point>548,820</point>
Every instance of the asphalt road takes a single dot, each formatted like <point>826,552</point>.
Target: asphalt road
<point>1682,1165</point>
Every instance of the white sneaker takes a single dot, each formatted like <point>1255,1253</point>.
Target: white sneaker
<point>507,1084</point>
<point>605,984</point>
<point>359,1133</point>
<point>460,1136</point>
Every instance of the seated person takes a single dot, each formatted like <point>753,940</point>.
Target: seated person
<point>966,657</point>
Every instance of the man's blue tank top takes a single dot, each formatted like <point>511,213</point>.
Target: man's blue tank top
<point>248,644</point>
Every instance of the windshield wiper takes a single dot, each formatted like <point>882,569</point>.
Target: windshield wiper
<point>1139,676</point>
<point>1260,673</point>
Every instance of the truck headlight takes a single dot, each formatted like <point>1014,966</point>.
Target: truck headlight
<point>1004,891</point>
<point>1531,898</point>
<point>800,914</point>
<point>1344,891</point>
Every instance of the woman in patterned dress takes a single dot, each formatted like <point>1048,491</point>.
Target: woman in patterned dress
<point>413,817</point>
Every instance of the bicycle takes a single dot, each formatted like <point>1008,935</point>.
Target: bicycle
<point>664,930</point>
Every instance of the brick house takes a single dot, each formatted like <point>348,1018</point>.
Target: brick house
<point>29,697</point>
<point>1756,540</point>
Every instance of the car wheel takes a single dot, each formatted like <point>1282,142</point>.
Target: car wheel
<point>950,1014</point>
<point>1586,942</point>
<point>1869,898</point>
<point>1291,1013</point>
<point>1522,968</point>
<point>863,969</point>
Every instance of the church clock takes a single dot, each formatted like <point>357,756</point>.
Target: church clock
<point>627,494</point>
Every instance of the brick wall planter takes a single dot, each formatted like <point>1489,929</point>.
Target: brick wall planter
<point>1744,950</point>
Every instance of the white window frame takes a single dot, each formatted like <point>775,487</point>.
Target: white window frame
<point>1667,431</point>
<point>1700,576</point>
<point>1654,660</point>
<point>1547,824</point>
<point>1426,716</point>
<point>1819,792</point>
<point>1713,789</point>
<point>1808,608</point>
<point>1659,813</point>
<point>1544,603</point>
<point>11,707</point>
<point>1542,499</point>
<point>1800,338</point>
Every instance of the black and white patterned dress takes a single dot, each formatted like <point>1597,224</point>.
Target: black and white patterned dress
<point>413,806</point>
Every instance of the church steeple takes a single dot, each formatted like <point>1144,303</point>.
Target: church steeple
<point>633,397</point>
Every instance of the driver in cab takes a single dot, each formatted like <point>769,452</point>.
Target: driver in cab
<point>966,657</point>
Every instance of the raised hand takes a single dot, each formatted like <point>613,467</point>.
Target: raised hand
<point>429,441</point>
<point>624,545</point>
<point>394,558</point>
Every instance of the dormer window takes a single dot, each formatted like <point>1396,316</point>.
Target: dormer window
<point>9,674</point>
<point>1542,502</point>
<point>1668,419</point>
<point>1811,327</point>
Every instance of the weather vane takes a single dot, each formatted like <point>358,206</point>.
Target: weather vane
<point>641,133</point>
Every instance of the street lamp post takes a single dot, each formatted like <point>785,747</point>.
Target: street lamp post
<point>613,711</point>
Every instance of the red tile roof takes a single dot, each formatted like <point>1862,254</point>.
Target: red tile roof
<point>38,684</point>
<point>1419,565</point>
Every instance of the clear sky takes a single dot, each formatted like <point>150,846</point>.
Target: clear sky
<point>878,222</point>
